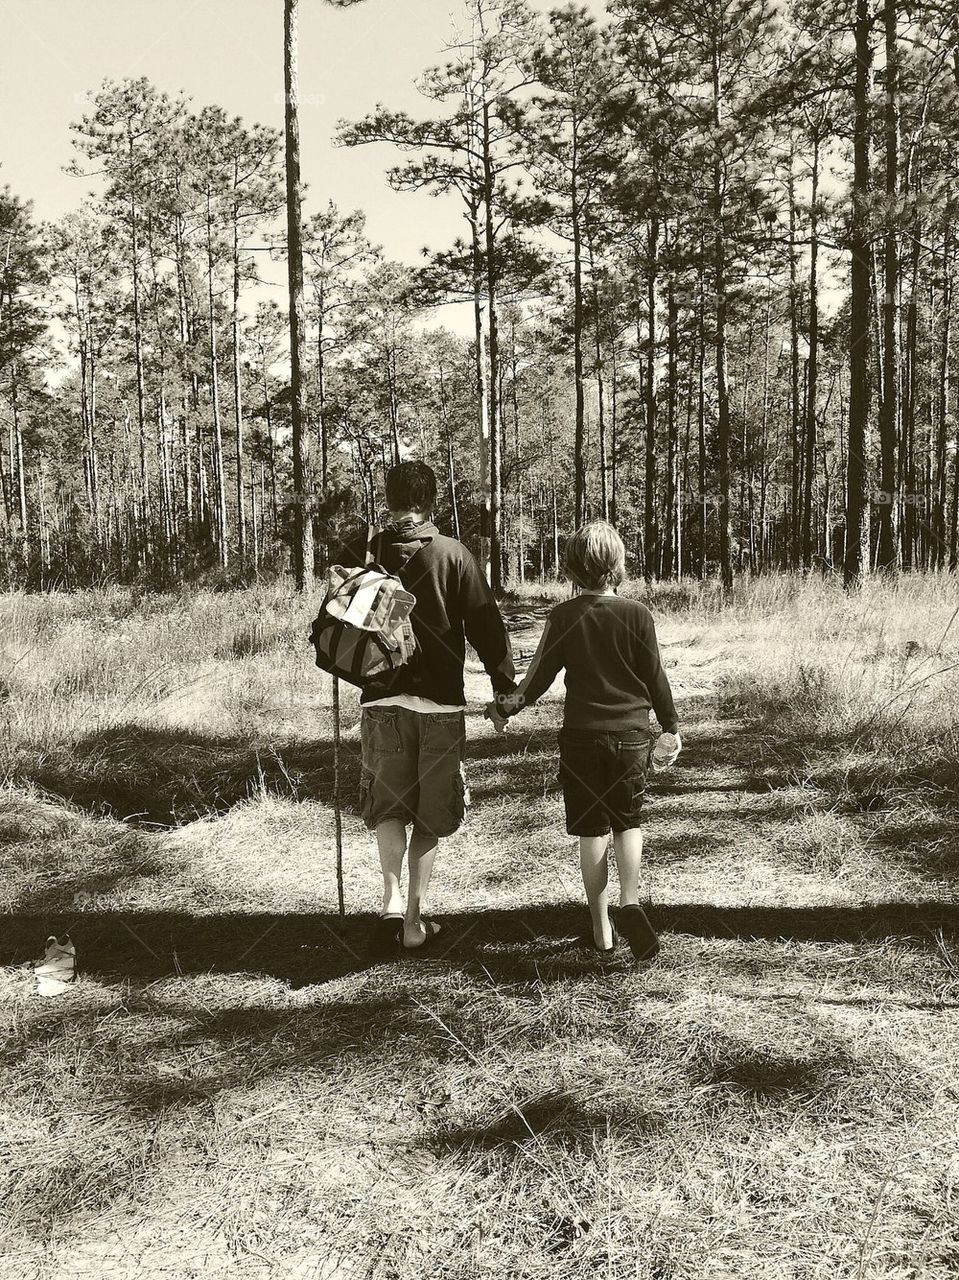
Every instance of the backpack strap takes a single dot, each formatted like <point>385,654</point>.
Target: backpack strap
<point>372,533</point>
<point>374,537</point>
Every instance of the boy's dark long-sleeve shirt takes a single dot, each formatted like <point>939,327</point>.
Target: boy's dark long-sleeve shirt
<point>454,604</point>
<point>614,673</point>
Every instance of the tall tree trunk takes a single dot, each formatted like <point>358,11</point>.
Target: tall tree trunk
<point>92,439</point>
<point>722,389</point>
<point>271,438</point>
<point>913,369</point>
<point>671,539</point>
<point>255,510</point>
<point>238,390</point>
<point>650,530</point>
<point>600,382</point>
<point>795,434</point>
<point>20,468</point>
<point>164,525</point>
<point>450,461</point>
<point>613,431</point>
<point>943,407</point>
<point>517,455</point>
<point>43,531</point>
<point>887,549</point>
<point>7,476</point>
<point>451,475</point>
<point>86,422</point>
<point>701,427</point>
<point>579,439</point>
<point>763,550</point>
<point>220,476</point>
<point>812,366</point>
<point>394,404</point>
<point>682,498</point>
<point>302,513</point>
<point>143,539</point>
<point>482,397</point>
<point>552,490</point>
<point>856,556</point>
<point>186,465</point>
<point>954,512</point>
<point>495,476</point>
<point>601,423</point>
<point>321,385</point>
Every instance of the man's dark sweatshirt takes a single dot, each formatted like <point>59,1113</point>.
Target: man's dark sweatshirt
<point>614,673</point>
<point>453,604</point>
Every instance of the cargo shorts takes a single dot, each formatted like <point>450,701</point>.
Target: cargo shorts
<point>413,769</point>
<point>603,776</point>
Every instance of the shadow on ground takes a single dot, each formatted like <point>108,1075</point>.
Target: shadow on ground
<point>165,777</point>
<point>304,949</point>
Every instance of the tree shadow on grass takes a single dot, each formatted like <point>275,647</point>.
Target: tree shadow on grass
<point>735,1074</point>
<point>560,1116</point>
<point>923,846</point>
<point>166,777</point>
<point>861,778</point>
<point>305,949</point>
<point>672,850</point>
<point>768,1076</point>
<point>162,778</point>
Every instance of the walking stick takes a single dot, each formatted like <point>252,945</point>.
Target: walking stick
<point>337,816</point>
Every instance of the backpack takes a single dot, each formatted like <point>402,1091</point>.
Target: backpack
<point>363,627</point>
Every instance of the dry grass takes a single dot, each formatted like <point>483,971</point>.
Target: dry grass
<point>232,1088</point>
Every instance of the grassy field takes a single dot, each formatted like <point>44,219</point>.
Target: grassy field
<point>233,1088</point>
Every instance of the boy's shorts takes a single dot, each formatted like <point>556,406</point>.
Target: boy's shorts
<point>413,768</point>
<point>603,776</point>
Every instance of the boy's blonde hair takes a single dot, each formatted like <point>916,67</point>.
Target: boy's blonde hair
<point>595,556</point>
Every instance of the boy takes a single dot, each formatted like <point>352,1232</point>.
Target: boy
<point>613,677</point>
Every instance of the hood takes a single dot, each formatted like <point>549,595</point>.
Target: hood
<point>407,530</point>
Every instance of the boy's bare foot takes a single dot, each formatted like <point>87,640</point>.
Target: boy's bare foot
<point>639,933</point>
<point>603,940</point>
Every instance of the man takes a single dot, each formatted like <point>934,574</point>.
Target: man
<point>413,725</point>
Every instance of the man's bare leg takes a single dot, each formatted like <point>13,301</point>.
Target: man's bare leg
<point>422,853</point>
<point>391,842</point>
<point>594,865</point>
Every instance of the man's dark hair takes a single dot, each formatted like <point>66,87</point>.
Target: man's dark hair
<point>411,486</point>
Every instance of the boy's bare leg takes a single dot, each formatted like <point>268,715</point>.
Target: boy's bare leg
<point>391,842</point>
<point>594,865</point>
<point>422,853</point>
<point>628,846</point>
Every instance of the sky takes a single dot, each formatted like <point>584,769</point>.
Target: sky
<point>230,53</point>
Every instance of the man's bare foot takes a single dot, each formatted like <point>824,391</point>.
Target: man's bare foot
<point>419,934</point>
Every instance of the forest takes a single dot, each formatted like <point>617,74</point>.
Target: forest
<point>709,253</point>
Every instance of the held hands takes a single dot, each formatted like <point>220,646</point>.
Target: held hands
<point>492,713</point>
<point>668,747</point>
<point>500,709</point>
